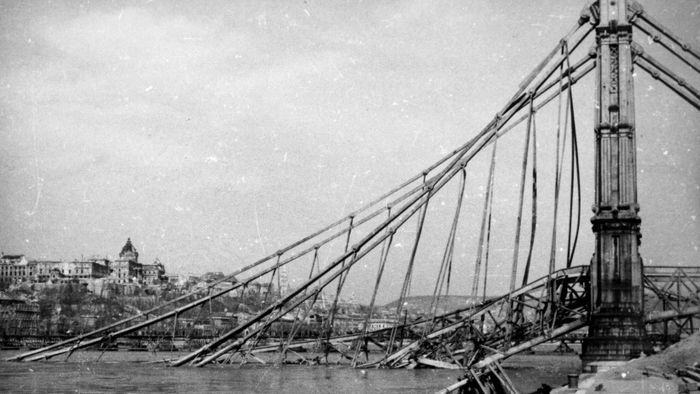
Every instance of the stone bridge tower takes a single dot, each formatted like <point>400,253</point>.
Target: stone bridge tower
<point>616,329</point>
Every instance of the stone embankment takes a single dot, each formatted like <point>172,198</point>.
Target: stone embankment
<point>674,370</point>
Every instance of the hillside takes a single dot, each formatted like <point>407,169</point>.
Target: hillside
<point>421,304</point>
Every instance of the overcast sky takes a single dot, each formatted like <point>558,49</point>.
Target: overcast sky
<point>213,132</point>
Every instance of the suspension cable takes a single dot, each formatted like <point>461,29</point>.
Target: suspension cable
<point>485,215</point>
<point>563,43</point>
<point>575,174</point>
<point>533,220</point>
<point>488,237</point>
<point>538,70</point>
<point>523,172</point>
<point>658,40</point>
<point>447,255</point>
<point>341,281</point>
<point>329,327</point>
<point>330,319</point>
<point>409,272</point>
<point>293,330</point>
<point>651,65</point>
<point>639,13</point>
<point>677,79</point>
<point>386,247</point>
<point>272,278</point>
<point>557,178</point>
<point>654,73</point>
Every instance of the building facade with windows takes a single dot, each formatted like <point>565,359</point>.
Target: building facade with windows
<point>153,273</point>
<point>43,270</point>
<point>15,269</point>
<point>126,269</point>
<point>46,270</point>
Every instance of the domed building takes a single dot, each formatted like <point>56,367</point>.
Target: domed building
<point>127,268</point>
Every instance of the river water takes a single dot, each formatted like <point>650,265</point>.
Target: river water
<point>127,372</point>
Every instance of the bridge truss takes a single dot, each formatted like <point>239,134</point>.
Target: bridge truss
<point>476,336</point>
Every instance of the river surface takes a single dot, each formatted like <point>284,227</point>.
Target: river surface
<point>130,372</point>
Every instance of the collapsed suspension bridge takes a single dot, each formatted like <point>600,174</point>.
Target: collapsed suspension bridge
<point>618,299</point>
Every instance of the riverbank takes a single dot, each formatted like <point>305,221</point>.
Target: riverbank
<point>670,371</point>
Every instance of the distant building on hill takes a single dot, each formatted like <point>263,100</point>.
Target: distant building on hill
<point>44,268</point>
<point>15,269</point>
<point>126,269</point>
<point>153,273</point>
<point>64,271</point>
<point>183,280</point>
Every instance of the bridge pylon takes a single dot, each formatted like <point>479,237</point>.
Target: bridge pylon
<point>616,328</point>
